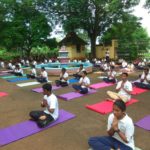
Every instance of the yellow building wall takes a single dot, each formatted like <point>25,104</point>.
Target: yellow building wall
<point>100,50</point>
<point>73,54</point>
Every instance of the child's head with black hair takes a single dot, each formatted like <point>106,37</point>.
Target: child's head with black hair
<point>84,73</point>
<point>124,76</point>
<point>119,108</point>
<point>63,70</point>
<point>47,88</point>
<point>43,68</point>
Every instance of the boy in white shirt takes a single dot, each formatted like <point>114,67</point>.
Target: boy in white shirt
<point>120,129</point>
<point>111,76</point>
<point>51,112</point>
<point>84,83</point>
<point>144,80</point>
<point>33,74</point>
<point>63,78</point>
<point>79,72</point>
<point>18,71</point>
<point>43,76</point>
<point>124,88</point>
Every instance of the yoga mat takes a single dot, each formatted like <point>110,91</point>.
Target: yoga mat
<point>100,85</point>
<point>27,128</point>
<point>73,80</point>
<point>8,77</point>
<point>18,79</point>
<point>144,123</point>
<point>101,77</point>
<point>72,95</point>
<point>106,107</point>
<point>137,90</point>
<point>40,90</point>
<point>27,84</point>
<point>3,94</point>
<point>4,74</point>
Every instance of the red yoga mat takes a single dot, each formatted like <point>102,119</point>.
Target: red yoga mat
<point>106,106</point>
<point>137,90</point>
<point>3,94</point>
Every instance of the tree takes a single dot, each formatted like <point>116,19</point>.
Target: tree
<point>131,37</point>
<point>25,27</point>
<point>147,4</point>
<point>94,16</point>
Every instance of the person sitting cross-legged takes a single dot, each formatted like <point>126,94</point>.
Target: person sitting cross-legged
<point>84,83</point>
<point>18,71</point>
<point>144,80</point>
<point>79,72</point>
<point>120,129</point>
<point>32,74</point>
<point>63,78</point>
<point>124,88</point>
<point>111,76</point>
<point>51,112</point>
<point>43,76</point>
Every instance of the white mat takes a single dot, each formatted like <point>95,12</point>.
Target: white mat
<point>101,77</point>
<point>29,83</point>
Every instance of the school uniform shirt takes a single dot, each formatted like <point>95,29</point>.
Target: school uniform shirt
<point>84,81</point>
<point>52,104</point>
<point>147,77</point>
<point>124,64</point>
<point>65,75</point>
<point>126,126</point>
<point>44,75</point>
<point>19,71</point>
<point>112,73</point>
<point>127,86</point>
<point>80,71</point>
<point>33,72</point>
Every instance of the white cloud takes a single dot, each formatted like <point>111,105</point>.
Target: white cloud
<point>143,13</point>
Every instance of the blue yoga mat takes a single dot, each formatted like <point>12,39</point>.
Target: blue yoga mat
<point>18,79</point>
<point>73,80</point>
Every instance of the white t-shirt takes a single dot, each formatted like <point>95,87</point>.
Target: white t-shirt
<point>44,74</point>
<point>65,75</point>
<point>124,64</point>
<point>126,126</point>
<point>33,71</point>
<point>79,71</point>
<point>84,81</point>
<point>53,104</point>
<point>19,71</point>
<point>127,86</point>
<point>111,73</point>
<point>143,76</point>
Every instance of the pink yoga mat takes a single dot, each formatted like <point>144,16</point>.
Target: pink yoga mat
<point>3,94</point>
<point>106,107</point>
<point>100,85</point>
<point>137,90</point>
<point>72,95</point>
<point>40,90</point>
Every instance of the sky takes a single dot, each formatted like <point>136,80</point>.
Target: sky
<point>143,13</point>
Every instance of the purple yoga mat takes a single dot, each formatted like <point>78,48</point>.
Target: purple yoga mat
<point>100,85</point>
<point>27,128</point>
<point>144,123</point>
<point>40,90</point>
<point>72,95</point>
<point>4,73</point>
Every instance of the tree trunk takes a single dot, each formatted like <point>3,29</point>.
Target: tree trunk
<point>93,46</point>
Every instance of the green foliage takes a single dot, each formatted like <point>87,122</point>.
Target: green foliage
<point>132,38</point>
<point>93,16</point>
<point>7,56</point>
<point>24,26</point>
<point>43,52</point>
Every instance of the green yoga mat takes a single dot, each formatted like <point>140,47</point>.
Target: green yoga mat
<point>12,76</point>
